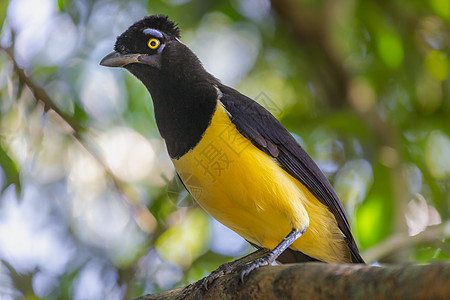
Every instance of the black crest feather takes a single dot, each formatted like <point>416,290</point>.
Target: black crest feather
<point>159,22</point>
<point>131,40</point>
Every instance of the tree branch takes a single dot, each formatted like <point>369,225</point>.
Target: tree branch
<point>326,281</point>
<point>76,128</point>
<point>310,28</point>
<point>76,131</point>
<point>40,94</point>
<point>402,240</point>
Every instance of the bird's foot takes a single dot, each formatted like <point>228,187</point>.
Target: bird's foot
<point>236,266</point>
<point>245,270</point>
<point>224,269</point>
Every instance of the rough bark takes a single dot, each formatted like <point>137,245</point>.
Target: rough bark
<point>326,281</point>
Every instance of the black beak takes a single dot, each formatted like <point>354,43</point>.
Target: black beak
<point>115,59</point>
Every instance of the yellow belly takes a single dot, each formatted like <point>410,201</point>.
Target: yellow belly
<point>245,189</point>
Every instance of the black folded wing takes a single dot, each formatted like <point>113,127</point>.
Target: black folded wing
<point>259,126</point>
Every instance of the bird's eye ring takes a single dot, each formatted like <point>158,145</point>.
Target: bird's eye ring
<point>153,43</point>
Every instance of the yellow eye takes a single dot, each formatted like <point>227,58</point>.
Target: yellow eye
<point>153,43</point>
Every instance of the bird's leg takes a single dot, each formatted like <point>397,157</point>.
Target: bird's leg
<point>270,257</point>
<point>248,263</point>
<point>231,266</point>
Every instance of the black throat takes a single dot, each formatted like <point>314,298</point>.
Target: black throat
<point>184,104</point>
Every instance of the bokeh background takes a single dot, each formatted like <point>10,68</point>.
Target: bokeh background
<point>89,206</point>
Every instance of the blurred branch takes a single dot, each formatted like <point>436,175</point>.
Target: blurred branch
<point>77,129</point>
<point>310,28</point>
<point>402,241</point>
<point>22,282</point>
<point>40,94</point>
<point>325,281</point>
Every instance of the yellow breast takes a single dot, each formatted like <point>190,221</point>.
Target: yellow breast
<point>246,190</point>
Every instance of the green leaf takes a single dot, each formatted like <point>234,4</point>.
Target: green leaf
<point>437,64</point>
<point>3,9</point>
<point>374,217</point>
<point>441,8</point>
<point>390,49</point>
<point>11,171</point>
<point>185,241</point>
<point>61,4</point>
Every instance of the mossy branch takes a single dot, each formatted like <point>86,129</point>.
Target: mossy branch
<point>326,281</point>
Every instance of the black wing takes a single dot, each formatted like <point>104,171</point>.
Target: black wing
<point>258,125</point>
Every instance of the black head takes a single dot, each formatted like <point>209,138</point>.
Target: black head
<point>151,50</point>
<point>183,93</point>
<point>143,43</point>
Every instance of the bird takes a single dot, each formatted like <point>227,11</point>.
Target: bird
<point>235,158</point>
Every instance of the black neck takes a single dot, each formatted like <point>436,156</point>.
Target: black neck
<point>183,108</point>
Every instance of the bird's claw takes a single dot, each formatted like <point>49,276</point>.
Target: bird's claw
<point>227,268</point>
<point>248,268</point>
<point>206,281</point>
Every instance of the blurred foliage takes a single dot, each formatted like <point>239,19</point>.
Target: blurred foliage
<point>90,206</point>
